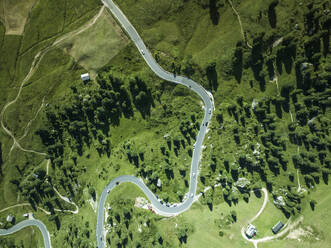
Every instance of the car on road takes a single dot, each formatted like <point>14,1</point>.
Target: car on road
<point>206,124</point>
<point>210,111</point>
<point>108,191</point>
<point>117,183</point>
<point>193,174</point>
<point>142,52</point>
<point>191,195</point>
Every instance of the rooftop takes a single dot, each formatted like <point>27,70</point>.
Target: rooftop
<point>276,228</point>
<point>251,231</point>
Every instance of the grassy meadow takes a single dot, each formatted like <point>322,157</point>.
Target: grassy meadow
<point>260,101</point>
<point>107,39</point>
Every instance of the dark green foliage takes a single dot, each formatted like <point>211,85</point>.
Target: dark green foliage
<point>183,230</point>
<point>91,191</point>
<point>141,95</point>
<point>272,13</point>
<point>212,76</point>
<point>237,62</point>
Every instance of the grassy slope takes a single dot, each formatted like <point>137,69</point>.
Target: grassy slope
<point>58,71</point>
<point>15,13</point>
<point>107,39</point>
<point>317,220</point>
<point>145,135</point>
<point>161,26</point>
<point>180,29</point>
<point>172,45</point>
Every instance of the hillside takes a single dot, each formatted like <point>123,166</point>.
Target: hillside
<point>268,66</point>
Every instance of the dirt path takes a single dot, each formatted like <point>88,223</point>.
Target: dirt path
<point>256,216</point>
<point>28,205</point>
<point>38,57</point>
<point>298,150</point>
<point>68,201</point>
<point>27,127</point>
<point>287,227</point>
<point>240,23</point>
<point>14,206</point>
<point>36,61</point>
<point>263,205</point>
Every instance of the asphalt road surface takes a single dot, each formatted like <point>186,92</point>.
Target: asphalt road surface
<point>160,208</point>
<point>198,89</point>
<point>26,223</point>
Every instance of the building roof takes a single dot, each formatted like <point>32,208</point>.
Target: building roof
<point>10,218</point>
<point>85,76</point>
<point>251,231</point>
<point>277,227</point>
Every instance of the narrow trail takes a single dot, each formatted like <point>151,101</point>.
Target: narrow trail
<point>287,227</point>
<point>27,127</point>
<point>29,205</point>
<point>38,57</point>
<point>34,66</point>
<point>265,201</point>
<point>66,199</point>
<point>298,151</point>
<point>240,23</point>
<point>14,206</point>
<point>266,198</point>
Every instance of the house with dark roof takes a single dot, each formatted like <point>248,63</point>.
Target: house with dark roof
<point>276,228</point>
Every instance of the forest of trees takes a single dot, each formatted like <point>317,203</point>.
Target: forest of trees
<point>307,51</point>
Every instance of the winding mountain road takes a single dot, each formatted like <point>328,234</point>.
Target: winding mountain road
<point>157,206</point>
<point>27,223</point>
<point>198,89</point>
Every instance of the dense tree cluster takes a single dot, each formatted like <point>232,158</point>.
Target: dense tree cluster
<point>82,120</point>
<point>166,157</point>
<point>259,124</point>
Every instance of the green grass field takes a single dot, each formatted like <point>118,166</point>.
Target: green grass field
<point>107,39</point>
<point>315,227</point>
<point>188,38</point>
<point>14,14</point>
<point>206,232</point>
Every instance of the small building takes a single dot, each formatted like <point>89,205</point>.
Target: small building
<point>85,77</point>
<point>10,218</point>
<point>276,228</point>
<point>251,231</point>
<point>26,215</point>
